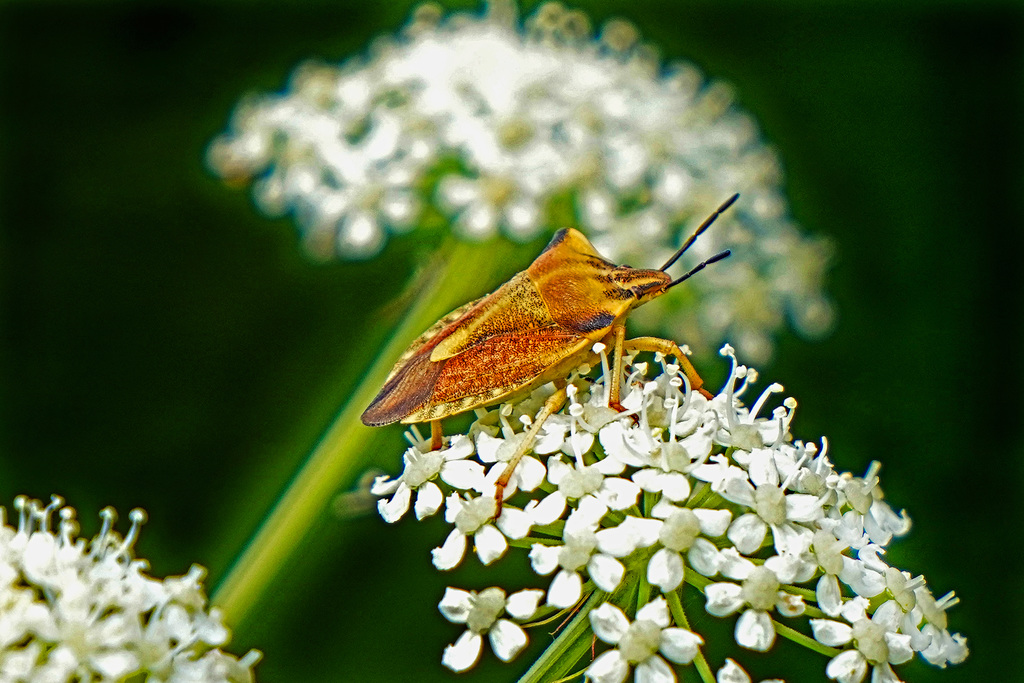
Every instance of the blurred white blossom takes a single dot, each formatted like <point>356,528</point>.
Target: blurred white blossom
<point>683,500</point>
<point>497,125</point>
<point>77,610</point>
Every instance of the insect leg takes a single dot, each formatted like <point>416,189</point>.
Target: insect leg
<point>670,348</point>
<point>552,405</point>
<point>436,435</point>
<point>619,333</point>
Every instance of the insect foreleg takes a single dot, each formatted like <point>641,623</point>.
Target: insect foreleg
<point>436,435</point>
<point>551,406</point>
<point>670,348</point>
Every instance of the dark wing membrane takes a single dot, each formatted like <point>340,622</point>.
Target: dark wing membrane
<point>406,390</point>
<point>495,368</point>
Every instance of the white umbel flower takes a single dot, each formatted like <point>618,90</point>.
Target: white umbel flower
<point>86,610</point>
<point>716,499</point>
<point>482,612</point>
<point>421,469</point>
<point>644,644</point>
<point>500,127</point>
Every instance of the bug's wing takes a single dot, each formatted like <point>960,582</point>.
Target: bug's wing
<point>492,369</point>
<point>515,308</point>
<point>489,370</point>
<point>408,387</point>
<point>432,332</point>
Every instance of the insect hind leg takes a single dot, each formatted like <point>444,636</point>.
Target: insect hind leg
<point>670,348</point>
<point>551,406</point>
<point>436,435</point>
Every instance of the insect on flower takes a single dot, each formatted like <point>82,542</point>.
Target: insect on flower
<point>532,330</point>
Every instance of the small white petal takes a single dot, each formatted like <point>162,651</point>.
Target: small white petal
<point>428,500</point>
<point>888,615</point>
<point>704,557</point>
<point>451,551</point>
<point>544,558</point>
<point>490,544</point>
<point>487,447</point>
<point>762,467</point>
<point>675,486</point>
<point>463,474</point>
<point>655,611</point>
<point>680,645</point>
<point>566,589</point>
<point>733,565</point>
<point>665,570</point>
<point>738,491</point>
<point>713,523</point>
<point>755,631</point>
<point>384,486</point>
<point>609,667</point>
<point>723,598</point>
<point>588,513</point>
<point>747,533</point>
<point>547,510</point>
<point>613,438</point>
<point>455,605</point>
<point>618,494</point>
<point>392,510</point>
<point>507,639</point>
<point>790,605</point>
<point>557,468</point>
<point>648,479</point>
<point>830,599</point>
<point>460,446</point>
<point>514,523</point>
<point>617,541</point>
<point>849,666</point>
<point>732,672</point>
<point>801,507</point>
<point>464,653</point>
<point>606,571</point>
<point>883,673</point>
<point>530,473</point>
<point>654,670</point>
<point>785,567</point>
<point>609,623</point>
<point>831,633</point>
<point>523,604</point>
<point>900,651</point>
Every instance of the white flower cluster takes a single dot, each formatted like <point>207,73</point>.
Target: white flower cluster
<point>679,493</point>
<point>493,126</point>
<point>73,611</point>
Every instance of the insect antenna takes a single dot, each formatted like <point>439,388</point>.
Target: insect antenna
<point>699,267</point>
<point>697,233</point>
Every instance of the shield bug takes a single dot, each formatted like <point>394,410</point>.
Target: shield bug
<point>532,330</point>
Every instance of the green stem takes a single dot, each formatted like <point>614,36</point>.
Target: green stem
<point>560,657</point>
<point>463,270</point>
<point>805,640</point>
<point>675,605</point>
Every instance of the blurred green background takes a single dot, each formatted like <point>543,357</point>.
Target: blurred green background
<point>165,346</point>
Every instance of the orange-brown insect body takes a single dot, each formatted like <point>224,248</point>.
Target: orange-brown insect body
<point>533,329</point>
